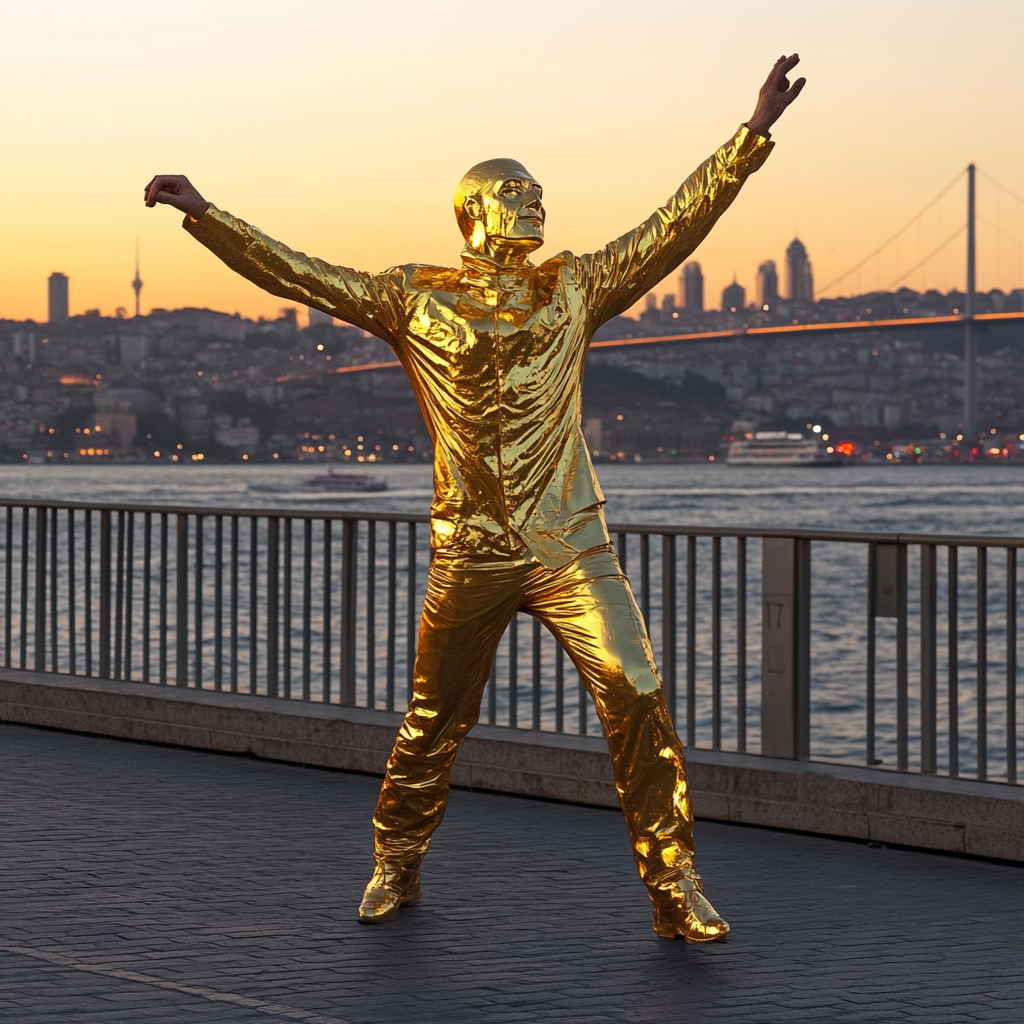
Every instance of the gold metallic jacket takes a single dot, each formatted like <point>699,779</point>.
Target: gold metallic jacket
<point>496,355</point>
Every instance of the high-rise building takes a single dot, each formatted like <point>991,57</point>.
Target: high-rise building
<point>650,303</point>
<point>668,304</point>
<point>767,285</point>
<point>691,288</point>
<point>58,298</point>
<point>801,280</point>
<point>734,298</point>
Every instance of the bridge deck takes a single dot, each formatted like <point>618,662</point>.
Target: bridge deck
<point>161,884</point>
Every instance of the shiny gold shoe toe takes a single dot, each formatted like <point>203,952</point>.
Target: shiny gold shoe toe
<point>681,910</point>
<point>389,889</point>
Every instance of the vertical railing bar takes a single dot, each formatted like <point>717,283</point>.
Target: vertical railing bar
<point>389,697</point>
<point>929,676</point>
<point>326,695</point>
<point>349,581</point>
<point>902,674</point>
<point>23,607</point>
<point>535,681</point>
<point>1011,665</point>
<point>669,635</point>
<point>233,597</point>
<point>581,714</point>
<point>307,606</point>
<point>198,596</point>
<point>716,643</point>
<point>513,672</point>
<point>622,541</point>
<point>371,613</point>
<point>39,644</point>
<point>164,574</point>
<point>982,664</point>
<point>254,596</point>
<point>218,602</point>
<point>559,687</point>
<point>147,595</point>
<point>273,603</point>
<point>645,578</point>
<point>286,611</point>
<point>119,596</point>
<point>691,640</point>
<point>741,644</point>
<point>54,604</point>
<point>72,597</point>
<point>953,640</point>
<point>129,586</point>
<point>181,601</point>
<point>8,585</point>
<point>870,695</point>
<point>104,637</point>
<point>410,658</point>
<point>87,589</point>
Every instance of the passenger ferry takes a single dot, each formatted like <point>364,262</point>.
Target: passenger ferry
<point>778,448</point>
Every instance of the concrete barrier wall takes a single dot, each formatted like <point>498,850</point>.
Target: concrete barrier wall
<point>976,818</point>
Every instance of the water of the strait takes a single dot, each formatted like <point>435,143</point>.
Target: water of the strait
<point>920,499</point>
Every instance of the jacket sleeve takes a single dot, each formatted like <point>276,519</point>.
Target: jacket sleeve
<point>616,276</point>
<point>373,302</point>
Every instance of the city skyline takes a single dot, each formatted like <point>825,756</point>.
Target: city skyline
<point>880,128</point>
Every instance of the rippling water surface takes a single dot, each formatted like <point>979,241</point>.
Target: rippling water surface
<point>969,500</point>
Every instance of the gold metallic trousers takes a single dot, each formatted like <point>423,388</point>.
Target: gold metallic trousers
<point>589,607</point>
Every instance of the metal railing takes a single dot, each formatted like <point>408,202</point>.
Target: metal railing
<point>324,606</point>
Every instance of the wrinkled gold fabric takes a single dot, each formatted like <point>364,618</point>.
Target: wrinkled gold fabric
<point>496,353</point>
<point>496,356</point>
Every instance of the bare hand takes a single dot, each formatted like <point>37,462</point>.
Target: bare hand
<point>776,94</point>
<point>177,191</point>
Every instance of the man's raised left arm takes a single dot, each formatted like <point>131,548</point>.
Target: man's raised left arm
<point>616,276</point>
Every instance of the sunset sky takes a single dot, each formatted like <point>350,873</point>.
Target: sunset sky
<point>342,128</point>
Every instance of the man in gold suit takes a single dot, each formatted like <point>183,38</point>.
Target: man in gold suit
<point>495,350</point>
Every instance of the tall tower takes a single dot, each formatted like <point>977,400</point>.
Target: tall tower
<point>58,298</point>
<point>137,283</point>
<point>801,280</point>
<point>734,297</point>
<point>767,285</point>
<point>693,288</point>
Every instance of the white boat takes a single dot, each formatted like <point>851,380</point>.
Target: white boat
<point>778,448</point>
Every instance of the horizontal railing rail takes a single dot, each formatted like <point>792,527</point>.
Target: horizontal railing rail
<point>762,648</point>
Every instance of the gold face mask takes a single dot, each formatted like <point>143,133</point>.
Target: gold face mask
<point>498,205</point>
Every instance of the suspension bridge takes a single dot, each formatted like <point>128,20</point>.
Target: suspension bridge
<point>892,247</point>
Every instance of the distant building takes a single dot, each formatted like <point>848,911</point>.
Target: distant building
<point>668,305</point>
<point>734,298</point>
<point>58,298</point>
<point>801,280</point>
<point>316,317</point>
<point>767,285</point>
<point>691,289</point>
<point>650,302</point>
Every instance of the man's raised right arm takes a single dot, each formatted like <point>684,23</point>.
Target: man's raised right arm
<point>372,302</point>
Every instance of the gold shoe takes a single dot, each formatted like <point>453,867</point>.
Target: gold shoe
<point>392,886</point>
<point>682,910</point>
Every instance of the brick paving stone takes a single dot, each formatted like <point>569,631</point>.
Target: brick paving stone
<point>240,878</point>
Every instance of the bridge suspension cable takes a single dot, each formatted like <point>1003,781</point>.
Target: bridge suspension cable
<point>892,238</point>
<point>917,266</point>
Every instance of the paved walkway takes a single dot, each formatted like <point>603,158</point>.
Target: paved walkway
<point>148,884</point>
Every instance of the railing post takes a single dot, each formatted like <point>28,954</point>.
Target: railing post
<point>929,675</point>
<point>104,638</point>
<point>349,568</point>
<point>786,648</point>
<point>890,602</point>
<point>181,595</point>
<point>273,592</point>
<point>668,621</point>
<point>40,609</point>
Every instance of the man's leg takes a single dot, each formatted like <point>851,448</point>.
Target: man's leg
<point>589,607</point>
<point>465,613</point>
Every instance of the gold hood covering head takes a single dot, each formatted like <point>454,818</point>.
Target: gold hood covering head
<point>498,214</point>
